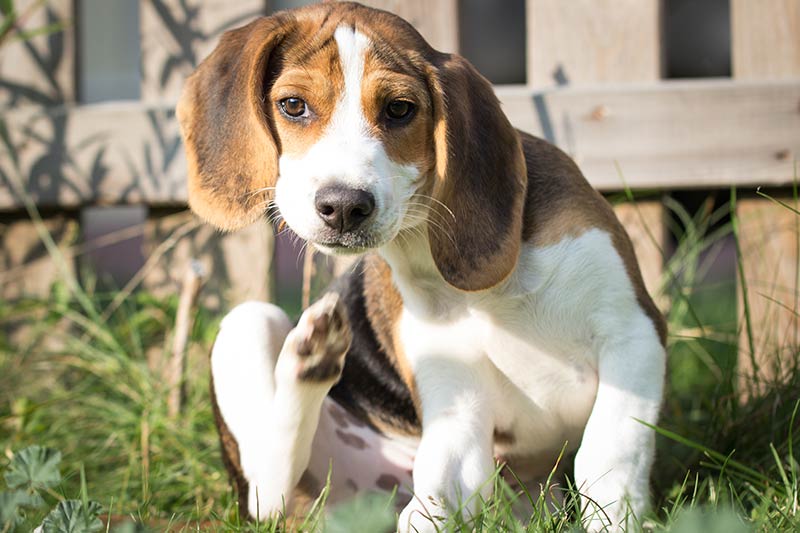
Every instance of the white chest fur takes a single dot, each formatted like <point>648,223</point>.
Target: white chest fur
<point>528,348</point>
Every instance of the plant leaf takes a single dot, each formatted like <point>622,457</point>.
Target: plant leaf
<point>370,512</point>
<point>27,35</point>
<point>709,520</point>
<point>10,502</point>
<point>71,516</point>
<point>5,137</point>
<point>6,7</point>
<point>34,468</point>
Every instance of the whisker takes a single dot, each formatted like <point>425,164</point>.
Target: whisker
<point>444,224</point>
<point>419,194</point>
<point>256,191</point>
<point>435,227</point>
<point>430,211</point>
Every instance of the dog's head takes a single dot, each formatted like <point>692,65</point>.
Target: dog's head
<point>356,130</point>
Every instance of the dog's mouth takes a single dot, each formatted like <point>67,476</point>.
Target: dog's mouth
<point>347,243</point>
<point>334,241</point>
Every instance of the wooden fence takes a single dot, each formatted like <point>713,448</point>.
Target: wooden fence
<point>593,83</point>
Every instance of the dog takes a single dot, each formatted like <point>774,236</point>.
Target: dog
<point>497,311</point>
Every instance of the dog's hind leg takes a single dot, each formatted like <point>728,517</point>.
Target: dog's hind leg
<point>243,385</point>
<point>269,383</point>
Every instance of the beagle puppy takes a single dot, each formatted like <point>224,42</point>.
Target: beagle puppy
<point>497,311</point>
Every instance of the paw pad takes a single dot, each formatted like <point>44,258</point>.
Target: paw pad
<point>322,338</point>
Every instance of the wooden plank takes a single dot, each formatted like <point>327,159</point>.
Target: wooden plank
<point>177,35</point>
<point>644,222</point>
<point>26,268</point>
<point>766,46</point>
<point>40,70</point>
<point>768,240</point>
<point>765,39</point>
<point>593,41</point>
<point>111,153</point>
<point>686,134</point>
<point>436,20</point>
<point>668,135</point>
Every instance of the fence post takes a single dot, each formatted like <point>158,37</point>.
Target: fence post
<point>41,78</point>
<point>593,41</point>
<point>765,46</point>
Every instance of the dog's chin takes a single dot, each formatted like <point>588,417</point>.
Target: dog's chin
<point>340,250</point>
<point>355,243</point>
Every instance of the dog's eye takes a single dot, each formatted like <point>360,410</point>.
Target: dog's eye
<point>294,107</point>
<point>399,111</point>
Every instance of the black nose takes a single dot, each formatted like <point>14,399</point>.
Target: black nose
<point>343,209</point>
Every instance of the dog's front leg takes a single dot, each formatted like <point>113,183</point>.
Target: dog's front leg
<point>612,466</point>
<point>454,461</point>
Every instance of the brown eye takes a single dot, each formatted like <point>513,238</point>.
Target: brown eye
<point>293,107</point>
<point>399,110</point>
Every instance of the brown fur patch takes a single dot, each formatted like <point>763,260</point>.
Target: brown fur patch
<point>384,307</point>
<point>560,203</point>
<point>310,69</point>
<point>349,439</point>
<point>387,482</point>
<point>230,454</point>
<point>503,437</point>
<point>338,416</point>
<point>326,370</point>
<point>304,494</point>
<point>408,143</point>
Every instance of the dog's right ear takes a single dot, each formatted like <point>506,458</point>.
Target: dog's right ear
<point>231,150</point>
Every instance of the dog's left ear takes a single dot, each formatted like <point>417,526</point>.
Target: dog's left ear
<point>231,150</point>
<point>480,177</point>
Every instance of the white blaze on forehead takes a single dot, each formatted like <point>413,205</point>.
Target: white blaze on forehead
<point>348,114</point>
<point>348,154</point>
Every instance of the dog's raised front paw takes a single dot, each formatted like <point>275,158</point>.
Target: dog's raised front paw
<point>319,342</point>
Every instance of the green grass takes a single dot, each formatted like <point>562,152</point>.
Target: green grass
<point>84,387</point>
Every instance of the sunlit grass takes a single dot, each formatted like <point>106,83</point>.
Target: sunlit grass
<point>72,382</point>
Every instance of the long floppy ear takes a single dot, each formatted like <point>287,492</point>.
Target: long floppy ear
<point>231,152</point>
<point>480,177</point>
